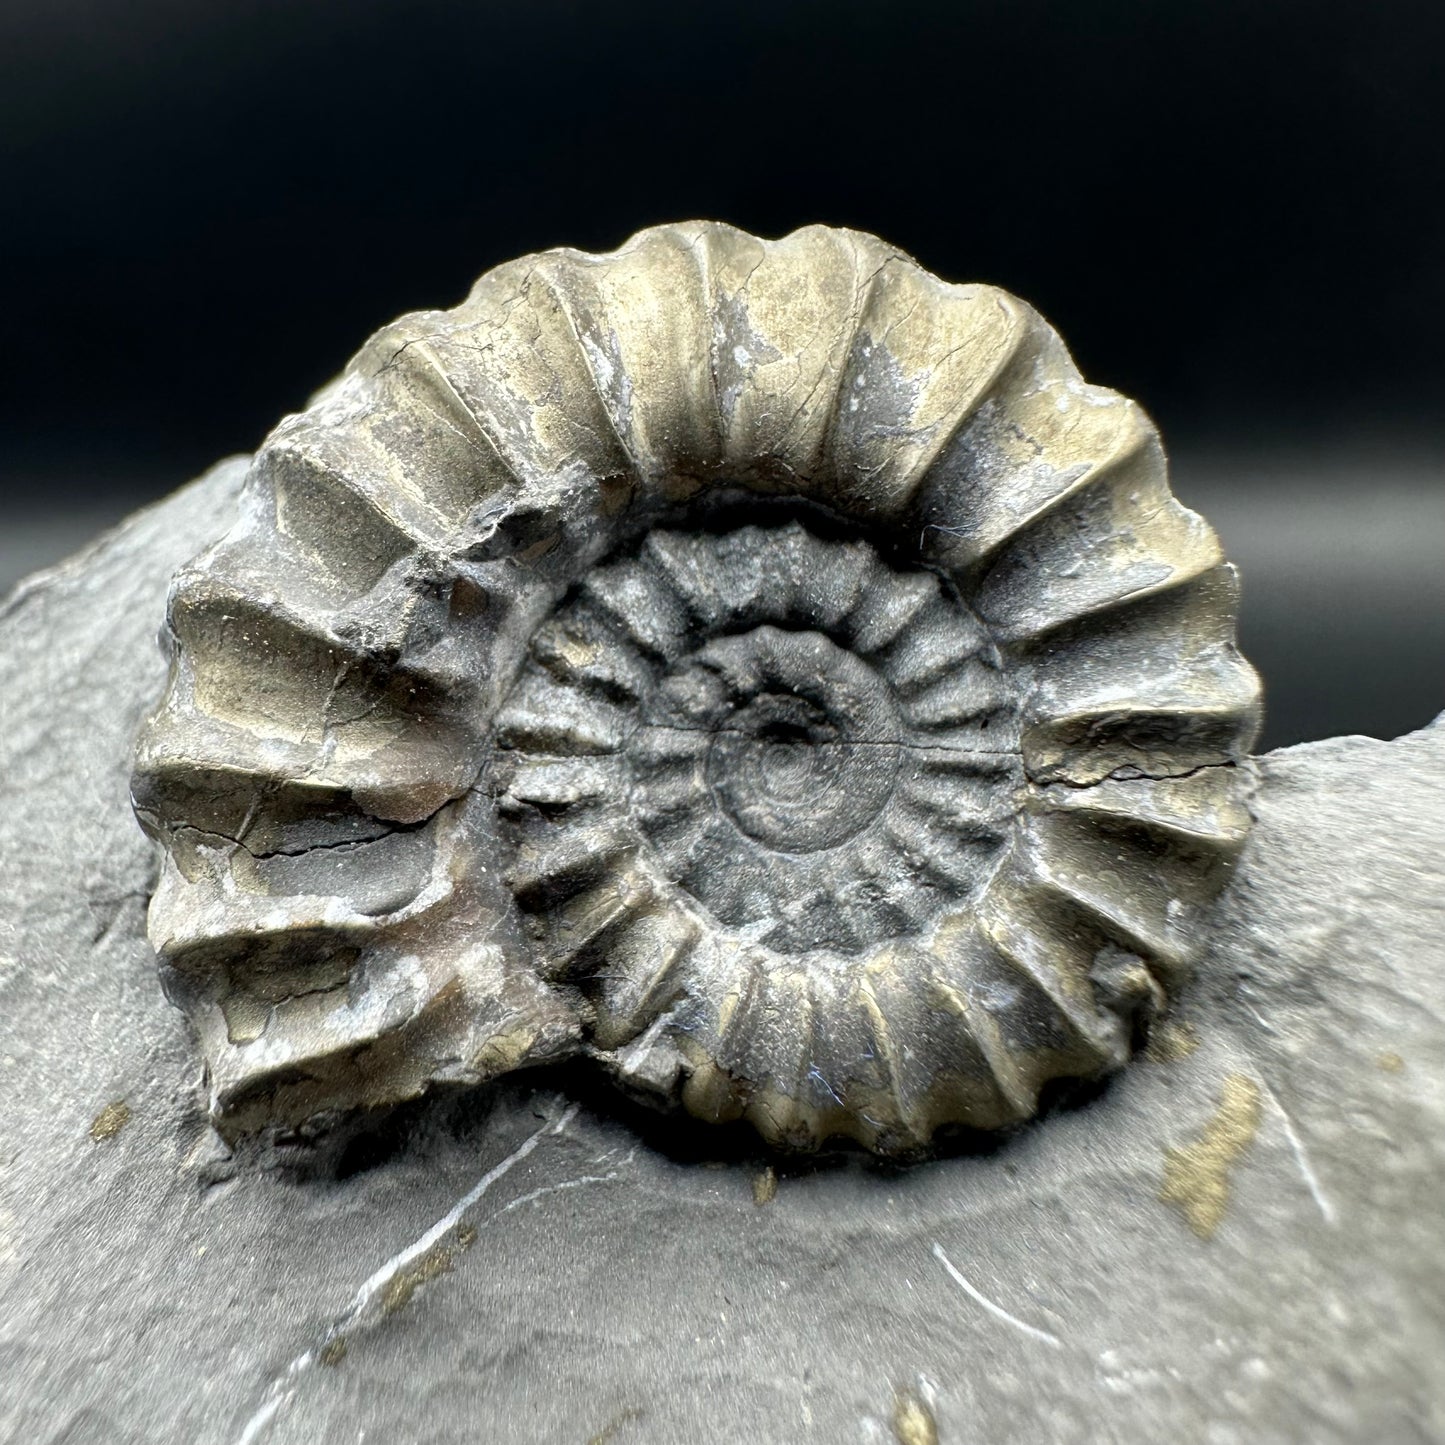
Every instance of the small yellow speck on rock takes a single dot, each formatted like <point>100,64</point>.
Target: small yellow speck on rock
<point>765,1186</point>
<point>333,1351</point>
<point>110,1121</point>
<point>1391,1063</point>
<point>438,1260</point>
<point>1196,1176</point>
<point>913,1419</point>
<point>611,1431</point>
<point>1171,1040</point>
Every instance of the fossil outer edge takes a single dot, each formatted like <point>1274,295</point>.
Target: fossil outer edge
<point>758,666</point>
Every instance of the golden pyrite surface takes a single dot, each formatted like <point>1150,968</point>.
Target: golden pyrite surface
<point>760,667</point>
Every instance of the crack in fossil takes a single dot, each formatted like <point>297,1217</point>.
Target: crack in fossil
<point>302,850</point>
<point>903,744</point>
<point>1128,773</point>
<point>1125,773</point>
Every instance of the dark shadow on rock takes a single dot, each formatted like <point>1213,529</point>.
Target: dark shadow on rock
<point>335,1148</point>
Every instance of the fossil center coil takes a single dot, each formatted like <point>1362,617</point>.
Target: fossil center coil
<point>820,751</point>
<point>760,668</point>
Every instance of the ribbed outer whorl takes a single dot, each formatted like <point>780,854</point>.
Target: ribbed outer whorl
<point>759,666</point>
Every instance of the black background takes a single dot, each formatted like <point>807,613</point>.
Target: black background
<point>1232,211</point>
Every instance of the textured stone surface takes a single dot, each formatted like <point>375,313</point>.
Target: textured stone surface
<point>1237,1240</point>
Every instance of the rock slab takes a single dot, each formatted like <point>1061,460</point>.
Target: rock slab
<point>1238,1240</point>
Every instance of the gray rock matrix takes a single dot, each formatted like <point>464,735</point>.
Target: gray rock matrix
<point>1237,1240</point>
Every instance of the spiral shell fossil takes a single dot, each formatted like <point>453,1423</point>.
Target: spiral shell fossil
<point>759,667</point>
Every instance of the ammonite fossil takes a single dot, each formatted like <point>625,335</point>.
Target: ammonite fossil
<point>759,667</point>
